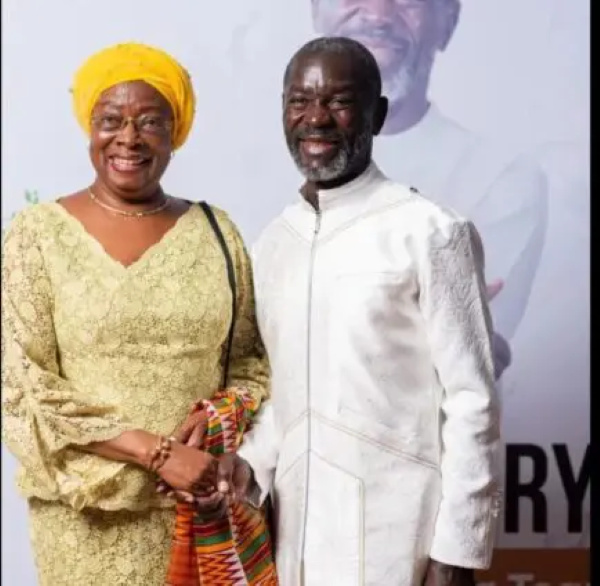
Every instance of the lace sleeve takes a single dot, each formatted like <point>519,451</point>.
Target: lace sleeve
<point>458,323</point>
<point>42,413</point>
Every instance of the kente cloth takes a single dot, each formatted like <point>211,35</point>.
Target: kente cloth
<point>234,550</point>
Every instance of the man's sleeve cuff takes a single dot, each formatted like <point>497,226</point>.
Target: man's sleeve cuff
<point>260,487</point>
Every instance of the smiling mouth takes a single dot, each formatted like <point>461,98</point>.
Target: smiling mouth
<point>128,164</point>
<point>380,38</point>
<point>317,147</point>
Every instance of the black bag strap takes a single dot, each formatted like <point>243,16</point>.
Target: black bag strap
<point>231,277</point>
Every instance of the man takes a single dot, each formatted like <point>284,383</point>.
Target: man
<point>505,197</point>
<point>381,441</point>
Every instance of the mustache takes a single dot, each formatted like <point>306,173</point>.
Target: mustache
<point>318,134</point>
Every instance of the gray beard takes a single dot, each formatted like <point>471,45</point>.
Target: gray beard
<point>338,166</point>
<point>329,172</point>
<point>397,86</point>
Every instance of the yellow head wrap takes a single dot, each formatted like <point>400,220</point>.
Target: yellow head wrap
<point>135,62</point>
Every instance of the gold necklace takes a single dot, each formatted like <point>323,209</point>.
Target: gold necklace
<point>126,214</point>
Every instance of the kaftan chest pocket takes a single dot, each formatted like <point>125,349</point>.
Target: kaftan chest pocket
<point>368,297</point>
<point>380,361</point>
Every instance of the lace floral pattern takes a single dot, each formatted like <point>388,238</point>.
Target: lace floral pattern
<point>91,348</point>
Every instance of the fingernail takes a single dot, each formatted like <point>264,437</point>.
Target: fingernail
<point>223,486</point>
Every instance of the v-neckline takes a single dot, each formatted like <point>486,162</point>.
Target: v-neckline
<point>102,252</point>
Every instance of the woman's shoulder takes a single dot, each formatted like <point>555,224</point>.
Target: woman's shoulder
<point>224,220</point>
<point>29,229</point>
<point>33,219</point>
<point>229,229</point>
<point>220,214</point>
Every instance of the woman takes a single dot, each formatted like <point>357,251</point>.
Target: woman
<point>116,311</point>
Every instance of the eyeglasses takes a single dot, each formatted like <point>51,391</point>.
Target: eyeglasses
<point>149,124</point>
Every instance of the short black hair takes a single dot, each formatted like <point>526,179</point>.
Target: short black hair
<point>344,46</point>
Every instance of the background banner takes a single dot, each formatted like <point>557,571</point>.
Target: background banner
<point>504,142</point>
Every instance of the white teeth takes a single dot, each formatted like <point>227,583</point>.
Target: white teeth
<point>126,164</point>
<point>317,148</point>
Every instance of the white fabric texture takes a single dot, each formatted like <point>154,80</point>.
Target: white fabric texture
<point>505,195</point>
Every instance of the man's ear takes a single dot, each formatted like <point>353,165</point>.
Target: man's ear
<point>380,114</point>
<point>447,21</point>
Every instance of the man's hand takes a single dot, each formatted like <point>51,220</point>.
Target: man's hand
<point>501,353</point>
<point>500,347</point>
<point>439,574</point>
<point>492,289</point>
<point>234,477</point>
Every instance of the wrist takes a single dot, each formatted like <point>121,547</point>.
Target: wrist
<point>253,490</point>
<point>140,447</point>
<point>160,454</point>
<point>444,572</point>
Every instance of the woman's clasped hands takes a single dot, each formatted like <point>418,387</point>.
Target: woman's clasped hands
<point>190,474</point>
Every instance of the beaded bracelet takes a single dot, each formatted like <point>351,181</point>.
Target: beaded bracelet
<point>160,454</point>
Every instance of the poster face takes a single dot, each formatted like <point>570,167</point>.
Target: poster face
<point>489,115</point>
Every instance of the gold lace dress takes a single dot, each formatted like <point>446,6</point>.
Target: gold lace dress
<point>91,348</point>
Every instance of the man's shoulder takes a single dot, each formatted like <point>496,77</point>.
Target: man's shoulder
<point>273,229</point>
<point>417,208</point>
